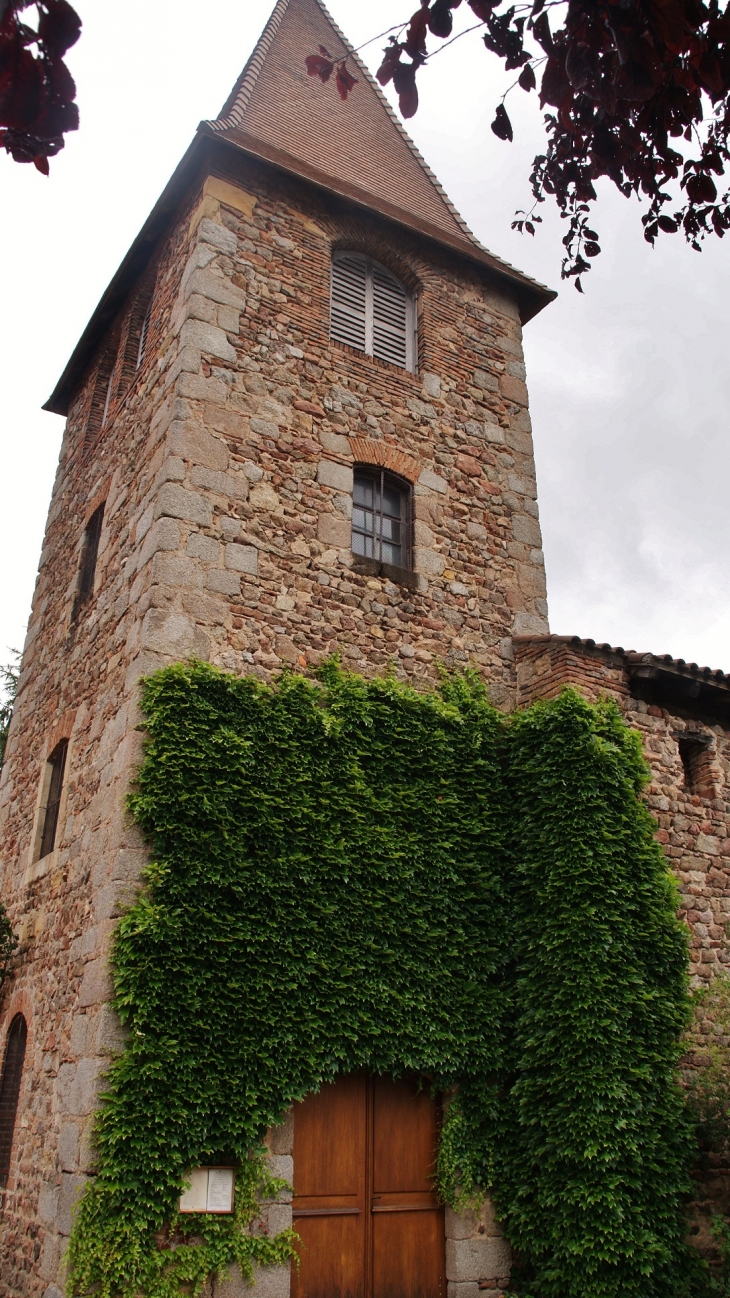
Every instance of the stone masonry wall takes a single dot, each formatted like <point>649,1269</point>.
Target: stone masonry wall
<point>225,465</point>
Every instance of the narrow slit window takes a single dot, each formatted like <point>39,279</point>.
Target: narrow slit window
<point>89,557</point>
<point>55,776</point>
<point>372,311</point>
<point>143,336</point>
<point>380,517</point>
<point>10,1092</point>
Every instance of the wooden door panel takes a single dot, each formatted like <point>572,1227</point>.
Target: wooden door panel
<point>331,1258</point>
<point>405,1134</point>
<point>364,1204</point>
<point>408,1254</point>
<point>329,1139</point>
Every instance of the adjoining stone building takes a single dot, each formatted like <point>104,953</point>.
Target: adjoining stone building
<point>296,423</point>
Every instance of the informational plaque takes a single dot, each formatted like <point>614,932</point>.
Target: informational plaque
<point>211,1190</point>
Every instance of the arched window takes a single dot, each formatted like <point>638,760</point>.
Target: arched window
<point>53,777</point>
<point>372,311</point>
<point>381,517</point>
<point>89,556</point>
<point>10,1090</point>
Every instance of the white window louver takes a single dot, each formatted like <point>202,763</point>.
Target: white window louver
<point>371,310</point>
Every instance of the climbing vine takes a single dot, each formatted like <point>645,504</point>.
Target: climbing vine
<point>325,895</point>
<point>594,1143</point>
<point>350,874</point>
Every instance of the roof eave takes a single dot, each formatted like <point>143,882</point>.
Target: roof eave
<point>531,295</point>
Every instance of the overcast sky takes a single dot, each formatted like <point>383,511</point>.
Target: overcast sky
<point>629,384</point>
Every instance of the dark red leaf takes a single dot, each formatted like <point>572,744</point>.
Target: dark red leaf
<point>318,66</point>
<point>541,32</point>
<point>527,77</point>
<point>483,8</point>
<point>701,188</point>
<point>667,224</point>
<point>344,80</point>
<point>501,125</point>
<point>415,42</point>
<point>404,80</point>
<point>390,62</point>
<point>41,163</point>
<point>440,17</point>
<point>59,27</point>
<point>555,87</point>
<point>591,249</point>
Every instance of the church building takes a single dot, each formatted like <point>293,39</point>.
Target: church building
<point>297,424</point>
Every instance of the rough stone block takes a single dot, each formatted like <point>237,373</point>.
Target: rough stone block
<point>176,502</point>
<point>229,319</point>
<point>268,1282</point>
<point>68,1147</point>
<point>218,236</point>
<point>433,481</point>
<point>263,496</point>
<point>216,288</point>
<point>203,547</point>
<point>225,583</point>
<point>530,624</point>
<point>526,530</point>
<point>332,474</point>
<point>335,531</point>
<point>283,1165</point>
<point>428,562</point>
<point>96,984</point>
<point>281,1139</point>
<point>48,1202</point>
<point>475,1259</point>
<point>176,570</point>
<point>209,339</point>
<point>242,558</point>
<point>231,485</point>
<point>465,1289</point>
<point>71,1190</point>
<point>173,634</point>
<point>196,444</point>
<point>336,443</point>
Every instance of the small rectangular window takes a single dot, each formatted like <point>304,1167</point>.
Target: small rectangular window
<point>57,764</point>
<point>696,756</point>
<point>380,518</point>
<point>89,556</point>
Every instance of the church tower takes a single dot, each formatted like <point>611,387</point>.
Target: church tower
<point>297,423</point>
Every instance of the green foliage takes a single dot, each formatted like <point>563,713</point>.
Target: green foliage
<point>9,674</point>
<point>8,943</point>
<point>593,1146</point>
<point>354,875</point>
<point>325,896</point>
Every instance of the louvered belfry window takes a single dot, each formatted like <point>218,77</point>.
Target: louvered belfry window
<point>372,311</point>
<point>10,1091</point>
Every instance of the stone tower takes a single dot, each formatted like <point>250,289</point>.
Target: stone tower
<point>297,423</point>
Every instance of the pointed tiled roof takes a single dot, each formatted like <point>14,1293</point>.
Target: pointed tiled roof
<point>358,148</point>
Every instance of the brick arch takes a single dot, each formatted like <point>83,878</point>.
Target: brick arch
<point>367,451</point>
<point>369,238</point>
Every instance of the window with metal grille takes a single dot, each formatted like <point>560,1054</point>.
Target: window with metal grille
<point>380,517</point>
<point>89,556</point>
<point>10,1091</point>
<point>372,311</point>
<point>54,775</point>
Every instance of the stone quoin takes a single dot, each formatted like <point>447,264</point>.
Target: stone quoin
<point>226,428</point>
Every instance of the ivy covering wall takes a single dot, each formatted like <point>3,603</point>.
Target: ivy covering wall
<point>351,874</point>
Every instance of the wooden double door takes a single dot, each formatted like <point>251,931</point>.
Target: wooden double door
<point>364,1206</point>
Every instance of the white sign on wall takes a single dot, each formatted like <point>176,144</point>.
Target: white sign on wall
<point>211,1190</point>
